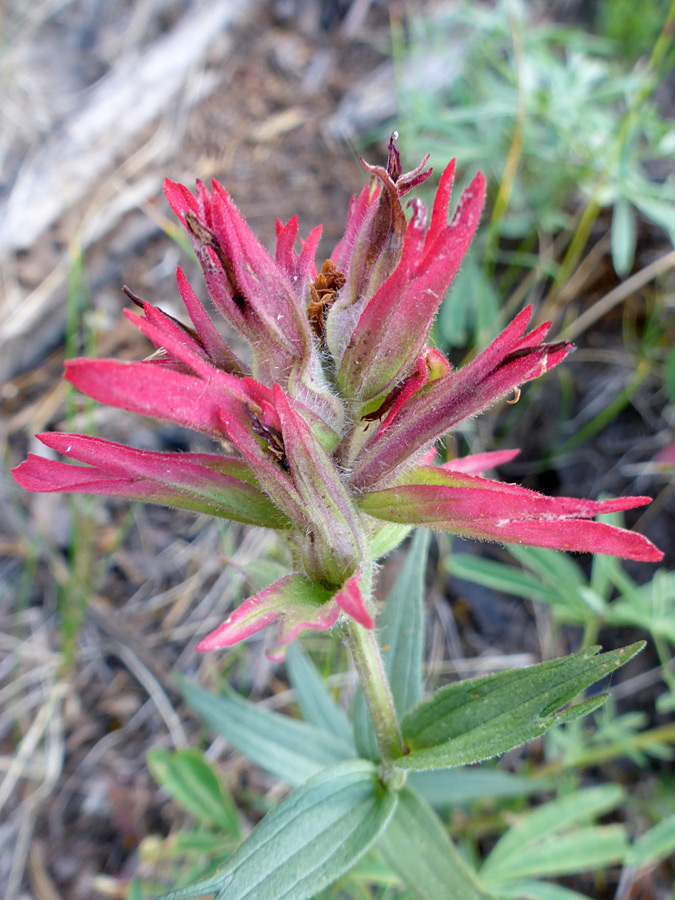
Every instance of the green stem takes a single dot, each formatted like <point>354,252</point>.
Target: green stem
<point>367,658</point>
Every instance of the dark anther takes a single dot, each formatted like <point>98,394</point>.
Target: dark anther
<point>272,436</point>
<point>205,236</point>
<point>133,297</point>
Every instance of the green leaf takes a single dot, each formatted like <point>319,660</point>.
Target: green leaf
<point>401,626</point>
<point>400,632</point>
<point>193,784</point>
<point>312,838</point>
<point>603,569</point>
<point>364,733</point>
<point>624,236</point>
<point>523,848</point>
<point>483,717</point>
<point>388,537</point>
<point>198,844</point>
<point>316,704</point>
<point>416,846</point>
<point>454,787</point>
<point>653,845</point>
<point>661,212</point>
<point>584,850</point>
<point>288,749</point>
<point>529,889</point>
<point>501,577</point>
<point>556,569</point>
<point>372,869</point>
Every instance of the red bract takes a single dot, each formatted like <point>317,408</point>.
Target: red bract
<point>334,422</point>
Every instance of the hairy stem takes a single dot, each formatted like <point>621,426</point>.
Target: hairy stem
<point>368,661</point>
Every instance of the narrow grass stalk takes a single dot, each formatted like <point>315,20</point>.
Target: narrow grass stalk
<point>592,210</point>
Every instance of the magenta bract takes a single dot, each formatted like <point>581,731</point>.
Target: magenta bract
<point>335,418</point>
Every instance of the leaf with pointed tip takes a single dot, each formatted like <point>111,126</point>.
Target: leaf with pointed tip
<point>531,889</point>
<point>192,783</point>
<point>417,847</point>
<point>478,718</point>
<point>546,821</point>
<point>201,482</point>
<point>312,838</point>
<point>546,843</point>
<point>290,750</point>
<point>447,788</point>
<point>316,704</point>
<point>400,628</point>
<point>654,845</point>
<point>584,849</point>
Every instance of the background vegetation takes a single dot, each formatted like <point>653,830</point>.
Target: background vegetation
<point>569,111</point>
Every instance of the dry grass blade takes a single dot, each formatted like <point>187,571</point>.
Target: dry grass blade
<point>620,293</point>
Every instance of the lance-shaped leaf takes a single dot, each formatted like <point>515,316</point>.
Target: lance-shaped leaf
<point>491,510</point>
<point>298,604</point>
<point>404,307</point>
<point>187,776</point>
<point>416,845</point>
<point>536,844</point>
<point>401,627</point>
<point>478,718</point>
<point>314,699</point>
<point>312,838</point>
<point>217,485</point>
<point>288,749</point>
<point>511,360</point>
<point>450,788</point>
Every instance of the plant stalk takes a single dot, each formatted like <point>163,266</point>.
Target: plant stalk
<point>367,658</point>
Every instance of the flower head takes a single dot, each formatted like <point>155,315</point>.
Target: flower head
<point>332,425</point>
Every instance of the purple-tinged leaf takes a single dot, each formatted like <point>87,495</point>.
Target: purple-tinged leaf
<point>217,485</point>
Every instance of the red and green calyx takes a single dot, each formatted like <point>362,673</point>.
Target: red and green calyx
<point>330,427</point>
